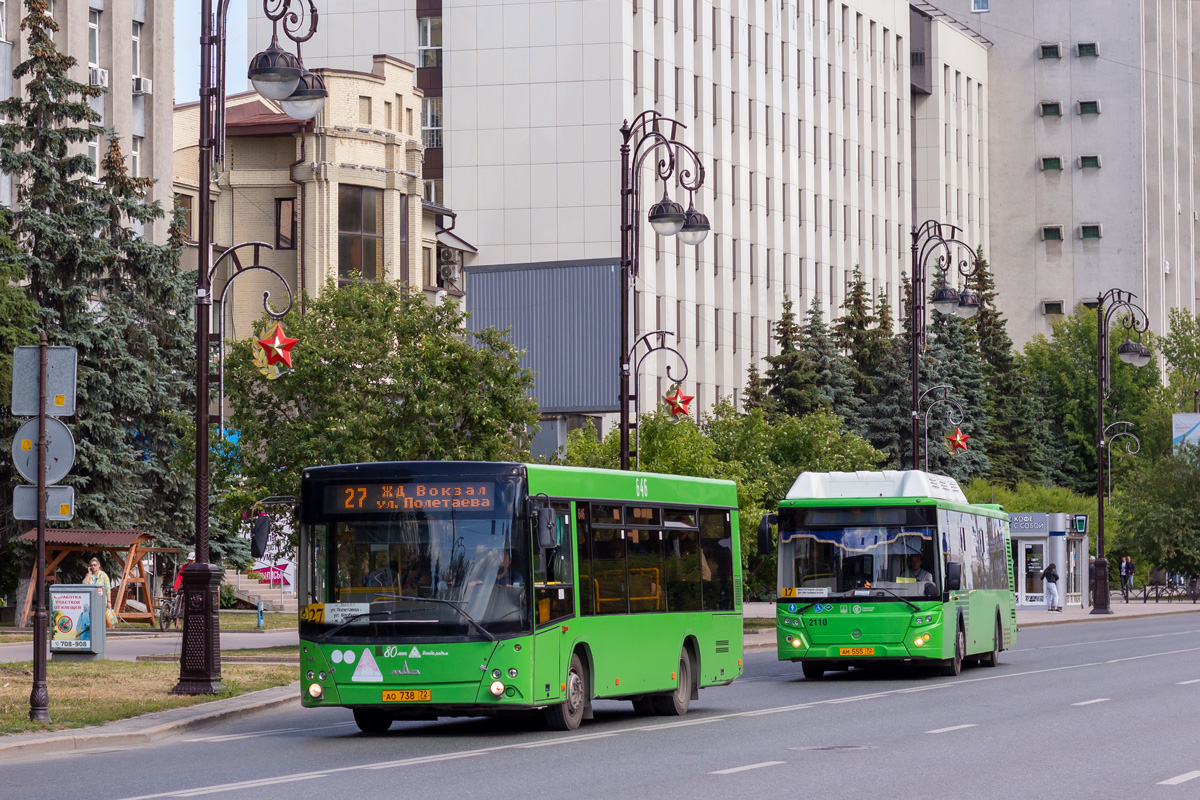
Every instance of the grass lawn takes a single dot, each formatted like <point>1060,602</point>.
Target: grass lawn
<point>95,692</point>
<point>751,624</point>
<point>282,652</point>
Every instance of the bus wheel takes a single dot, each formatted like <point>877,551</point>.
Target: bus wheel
<point>953,666</point>
<point>812,670</point>
<point>992,659</point>
<point>372,720</point>
<point>675,704</point>
<point>567,715</point>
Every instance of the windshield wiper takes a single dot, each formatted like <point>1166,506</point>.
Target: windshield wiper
<point>915,607</point>
<point>323,637</point>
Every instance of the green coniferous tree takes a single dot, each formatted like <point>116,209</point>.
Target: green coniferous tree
<point>834,381</point>
<point>100,287</point>
<point>755,396</point>
<point>854,333</point>
<point>886,414</point>
<point>791,380</point>
<point>954,360</point>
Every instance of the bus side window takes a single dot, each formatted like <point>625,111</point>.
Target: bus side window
<point>583,541</point>
<point>682,570</point>
<point>608,565</point>
<point>554,593</point>
<point>716,561</point>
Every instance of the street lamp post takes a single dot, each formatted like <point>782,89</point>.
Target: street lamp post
<point>280,76</point>
<point>649,132</point>
<point>651,347</point>
<point>937,243</point>
<point>1131,352</point>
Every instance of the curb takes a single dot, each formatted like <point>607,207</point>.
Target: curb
<point>146,728</point>
<point>1105,618</point>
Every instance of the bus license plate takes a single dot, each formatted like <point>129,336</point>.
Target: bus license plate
<point>856,651</point>
<point>406,695</point>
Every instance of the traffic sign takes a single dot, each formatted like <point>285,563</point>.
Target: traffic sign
<point>60,450</point>
<point>60,381</point>
<point>60,502</point>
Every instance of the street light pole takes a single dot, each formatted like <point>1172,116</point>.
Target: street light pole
<point>649,132</point>
<point>933,241</point>
<point>1136,353</point>
<point>279,76</point>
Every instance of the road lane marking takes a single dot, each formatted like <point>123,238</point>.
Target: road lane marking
<point>666,725</point>
<point>1178,779</point>
<point>587,737</point>
<point>760,765</point>
<point>188,792</point>
<point>1185,683</point>
<point>1089,702</point>
<point>953,728</point>
<point>1103,641</point>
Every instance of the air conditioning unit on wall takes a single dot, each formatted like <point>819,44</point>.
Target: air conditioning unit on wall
<point>98,77</point>
<point>143,86</point>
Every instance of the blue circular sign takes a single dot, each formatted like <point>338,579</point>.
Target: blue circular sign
<point>791,608</point>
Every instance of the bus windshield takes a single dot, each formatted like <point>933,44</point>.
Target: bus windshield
<point>470,566</point>
<point>828,557</point>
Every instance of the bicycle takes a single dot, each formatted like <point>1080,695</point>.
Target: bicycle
<point>169,610</point>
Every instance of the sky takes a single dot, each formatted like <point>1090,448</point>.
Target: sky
<point>187,50</point>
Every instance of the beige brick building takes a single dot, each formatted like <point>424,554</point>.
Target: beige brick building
<point>336,196</point>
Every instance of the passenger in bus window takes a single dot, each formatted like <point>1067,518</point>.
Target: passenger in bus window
<point>915,570</point>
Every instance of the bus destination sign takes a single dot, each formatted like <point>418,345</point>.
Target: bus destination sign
<point>357,498</point>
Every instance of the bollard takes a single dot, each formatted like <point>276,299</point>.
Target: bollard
<point>260,619</point>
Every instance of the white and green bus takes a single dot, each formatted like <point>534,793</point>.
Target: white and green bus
<point>890,566</point>
<point>438,589</point>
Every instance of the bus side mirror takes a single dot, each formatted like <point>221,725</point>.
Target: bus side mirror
<point>545,523</point>
<point>953,576</point>
<point>764,533</point>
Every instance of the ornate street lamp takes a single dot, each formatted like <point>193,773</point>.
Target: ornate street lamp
<point>954,414</point>
<point>638,141</point>
<point>933,242</point>
<point>651,347</point>
<point>1131,352</point>
<point>277,75</point>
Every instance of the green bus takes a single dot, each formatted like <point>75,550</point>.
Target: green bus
<point>433,589</point>
<point>890,566</point>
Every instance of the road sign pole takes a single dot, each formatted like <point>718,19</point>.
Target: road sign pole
<point>39,698</point>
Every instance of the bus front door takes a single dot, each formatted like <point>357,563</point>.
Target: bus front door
<point>554,600</point>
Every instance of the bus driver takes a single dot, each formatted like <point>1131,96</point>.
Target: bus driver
<point>915,571</point>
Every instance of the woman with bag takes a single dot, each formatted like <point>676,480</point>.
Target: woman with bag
<point>98,577</point>
<point>1050,576</point>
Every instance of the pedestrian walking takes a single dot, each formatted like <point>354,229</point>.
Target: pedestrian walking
<point>1130,570</point>
<point>1050,576</point>
<point>1124,573</point>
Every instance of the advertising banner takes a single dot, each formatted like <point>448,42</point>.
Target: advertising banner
<point>72,624</point>
<point>1185,428</point>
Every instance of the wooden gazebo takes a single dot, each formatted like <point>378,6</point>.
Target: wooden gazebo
<point>128,547</point>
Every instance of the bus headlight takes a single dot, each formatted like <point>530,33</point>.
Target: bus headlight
<point>918,641</point>
<point>497,688</point>
<point>796,642</point>
<point>315,691</point>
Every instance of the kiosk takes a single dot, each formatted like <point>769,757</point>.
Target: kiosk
<point>1041,539</point>
<point>77,624</point>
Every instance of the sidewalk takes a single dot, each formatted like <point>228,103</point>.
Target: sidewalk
<point>149,727</point>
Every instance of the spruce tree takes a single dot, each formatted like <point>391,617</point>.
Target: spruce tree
<point>121,301</point>
<point>954,360</point>
<point>755,396</point>
<point>887,421</point>
<point>834,382</point>
<point>854,333</point>
<point>792,380</point>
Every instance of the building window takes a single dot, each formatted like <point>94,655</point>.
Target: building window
<point>1051,162</point>
<point>433,191</point>
<point>1089,162</point>
<point>364,110</point>
<point>427,275</point>
<point>429,42</point>
<point>387,114</point>
<point>93,38</point>
<point>3,20</point>
<point>1052,233</point>
<point>408,121</point>
<point>183,205</point>
<point>1090,230</point>
<point>1050,51</point>
<point>137,48</point>
<point>93,151</point>
<point>1089,107</point>
<point>1086,49</point>
<point>1053,307</point>
<point>135,158</point>
<point>360,232</point>
<point>431,121</point>
<point>980,6</point>
<point>285,223</point>
<point>1050,109</point>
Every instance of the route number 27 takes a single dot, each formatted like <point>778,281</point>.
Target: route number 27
<point>641,487</point>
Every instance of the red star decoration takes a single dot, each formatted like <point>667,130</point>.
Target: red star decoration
<point>678,402</point>
<point>278,347</point>
<point>958,441</point>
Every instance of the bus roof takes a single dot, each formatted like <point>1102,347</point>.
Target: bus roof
<point>863,485</point>
<point>614,484</point>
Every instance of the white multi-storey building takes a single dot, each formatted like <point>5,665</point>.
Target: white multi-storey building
<point>802,114</point>
<point>126,47</point>
<point>1094,175</point>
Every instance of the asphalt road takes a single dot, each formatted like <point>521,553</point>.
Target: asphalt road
<point>1080,710</point>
